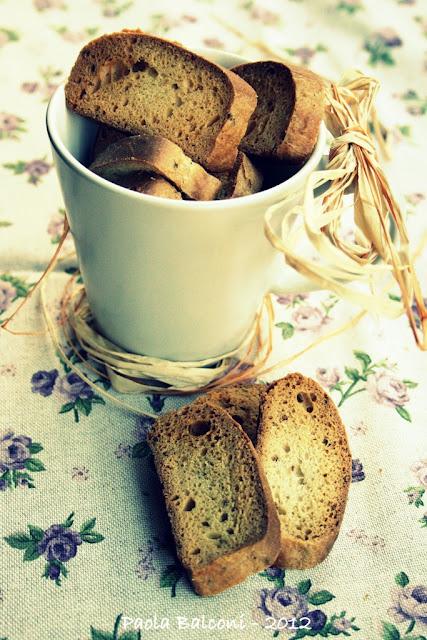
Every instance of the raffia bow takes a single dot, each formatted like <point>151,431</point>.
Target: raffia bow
<point>381,244</point>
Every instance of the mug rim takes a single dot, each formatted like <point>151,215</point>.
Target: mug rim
<point>265,197</point>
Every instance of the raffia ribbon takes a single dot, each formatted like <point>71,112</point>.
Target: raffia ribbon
<point>353,164</point>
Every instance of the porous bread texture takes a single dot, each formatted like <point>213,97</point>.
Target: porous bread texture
<point>242,180</point>
<point>242,402</point>
<point>303,448</point>
<point>155,154</point>
<point>220,507</point>
<point>289,111</point>
<point>141,83</point>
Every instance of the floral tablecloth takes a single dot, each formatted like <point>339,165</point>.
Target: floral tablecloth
<point>84,551</point>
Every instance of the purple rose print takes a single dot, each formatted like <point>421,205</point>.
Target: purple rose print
<point>78,393</point>
<point>213,42</point>
<point>36,169</point>
<point>292,299</point>
<point>14,451</point>
<point>273,573</point>
<point>328,377</point>
<point>379,45</point>
<point>29,87</point>
<point>342,624</point>
<point>265,16</point>
<point>17,459</point>
<point>419,469</point>
<point>10,125</point>
<point>389,37</point>
<point>43,382</point>
<point>144,424</point>
<point>317,619</point>
<point>8,369</point>
<point>306,318</point>
<point>123,451</point>
<point>287,608</point>
<point>41,5</point>
<point>59,543</point>
<point>145,567</point>
<point>387,389</point>
<point>409,603</point>
<point>55,227</point>
<point>53,572</point>
<point>415,198</point>
<point>357,472</point>
<point>280,603</point>
<point>7,294</point>
<point>360,536</point>
<point>80,474</point>
<point>73,387</point>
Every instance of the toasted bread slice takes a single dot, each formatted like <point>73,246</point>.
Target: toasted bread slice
<point>303,448</point>
<point>141,83</point>
<point>242,402</point>
<point>223,518</point>
<point>242,180</point>
<point>155,154</point>
<point>153,186</point>
<point>104,137</point>
<point>290,108</point>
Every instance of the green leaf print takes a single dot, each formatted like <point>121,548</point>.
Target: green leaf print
<point>31,552</point>
<point>304,586</point>
<point>96,634</point>
<point>18,541</point>
<point>390,632</point>
<point>402,579</point>
<point>287,328</point>
<point>170,577</point>
<point>404,413</point>
<point>36,532</point>
<point>320,597</point>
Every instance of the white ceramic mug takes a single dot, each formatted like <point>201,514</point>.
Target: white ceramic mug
<point>173,279</point>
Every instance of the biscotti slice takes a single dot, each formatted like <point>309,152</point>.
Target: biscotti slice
<point>242,180</point>
<point>151,185</point>
<point>223,518</point>
<point>303,448</point>
<point>104,137</point>
<point>155,154</point>
<point>242,402</point>
<point>290,107</point>
<point>141,83</point>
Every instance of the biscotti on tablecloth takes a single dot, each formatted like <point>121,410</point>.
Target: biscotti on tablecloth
<point>224,498</point>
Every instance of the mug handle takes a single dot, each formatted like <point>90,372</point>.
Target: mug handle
<point>290,282</point>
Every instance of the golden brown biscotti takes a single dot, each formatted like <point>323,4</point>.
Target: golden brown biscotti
<point>155,154</point>
<point>141,83</point>
<point>303,448</point>
<point>219,503</point>
<point>290,109</point>
<point>104,137</point>
<point>242,180</point>
<point>153,186</point>
<point>242,402</point>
